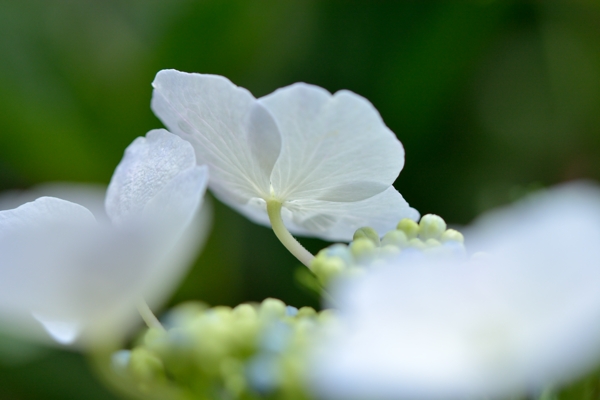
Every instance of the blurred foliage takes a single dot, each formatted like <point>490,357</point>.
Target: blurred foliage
<point>490,99</point>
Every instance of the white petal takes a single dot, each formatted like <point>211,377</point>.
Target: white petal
<point>43,211</point>
<point>149,165</point>
<point>81,280</point>
<point>230,132</point>
<point>90,196</point>
<point>64,332</point>
<point>34,239</point>
<point>525,317</point>
<point>180,231</point>
<point>334,148</point>
<point>336,221</point>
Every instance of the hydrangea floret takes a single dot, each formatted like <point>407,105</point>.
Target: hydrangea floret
<point>298,159</point>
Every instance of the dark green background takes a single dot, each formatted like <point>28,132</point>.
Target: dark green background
<point>490,100</point>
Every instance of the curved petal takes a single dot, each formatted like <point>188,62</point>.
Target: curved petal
<point>334,147</point>
<point>163,184</point>
<point>89,195</point>
<point>42,212</point>
<point>80,280</point>
<point>34,239</point>
<point>230,132</point>
<point>180,221</point>
<point>336,221</point>
<point>149,164</point>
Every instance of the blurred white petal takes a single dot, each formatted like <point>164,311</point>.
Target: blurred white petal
<point>80,279</point>
<point>64,332</point>
<point>525,316</point>
<point>45,210</point>
<point>88,195</point>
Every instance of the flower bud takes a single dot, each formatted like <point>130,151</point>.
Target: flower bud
<point>417,244</point>
<point>395,238</point>
<point>409,227</point>
<point>306,312</point>
<point>272,308</point>
<point>329,268</point>
<point>145,366</point>
<point>452,235</point>
<point>367,233</point>
<point>362,248</point>
<point>388,251</point>
<point>431,226</point>
<point>245,311</point>
<point>339,250</point>
<point>432,243</point>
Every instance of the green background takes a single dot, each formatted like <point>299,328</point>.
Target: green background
<point>490,99</point>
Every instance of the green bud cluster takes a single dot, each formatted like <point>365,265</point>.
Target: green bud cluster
<point>368,250</point>
<point>252,351</point>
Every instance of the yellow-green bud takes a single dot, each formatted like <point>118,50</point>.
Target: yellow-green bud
<point>245,311</point>
<point>232,371</point>
<point>431,226</point>
<point>353,272</point>
<point>153,334</point>
<point>362,247</point>
<point>145,366</point>
<point>432,243</point>
<point>388,251</point>
<point>452,235</point>
<point>409,227</point>
<point>306,312</point>
<point>222,311</point>
<point>339,250</point>
<point>272,308</point>
<point>417,244</point>
<point>326,315</point>
<point>395,238</point>
<point>327,269</point>
<point>367,233</point>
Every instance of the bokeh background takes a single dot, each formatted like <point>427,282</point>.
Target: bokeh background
<point>491,99</point>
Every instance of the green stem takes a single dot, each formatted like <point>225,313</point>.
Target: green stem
<point>284,236</point>
<point>148,316</point>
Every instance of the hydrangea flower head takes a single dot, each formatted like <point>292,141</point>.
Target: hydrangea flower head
<point>67,273</point>
<point>329,160</point>
<point>511,322</point>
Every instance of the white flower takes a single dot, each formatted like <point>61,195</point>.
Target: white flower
<point>79,277</point>
<point>510,322</point>
<point>328,159</point>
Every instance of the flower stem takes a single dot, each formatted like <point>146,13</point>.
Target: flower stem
<point>284,236</point>
<point>148,316</point>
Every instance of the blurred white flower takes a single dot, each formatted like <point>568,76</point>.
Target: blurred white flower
<point>510,322</point>
<point>77,277</point>
<point>328,159</point>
